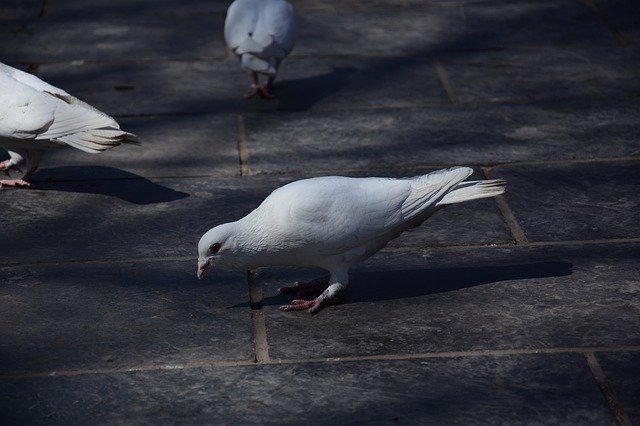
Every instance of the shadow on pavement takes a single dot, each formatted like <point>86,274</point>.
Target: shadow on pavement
<point>376,286</point>
<point>301,94</point>
<point>108,181</point>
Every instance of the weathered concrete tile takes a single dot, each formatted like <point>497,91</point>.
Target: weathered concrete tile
<point>171,146</point>
<point>624,16</point>
<point>129,216</point>
<point>585,201</point>
<point>17,12</point>
<point>442,135</point>
<point>622,370</point>
<point>220,86</point>
<point>117,32</point>
<point>109,315</point>
<point>554,389</point>
<point>147,88</point>
<point>348,83</point>
<point>466,299</point>
<point>444,27</point>
<point>121,218</point>
<point>544,74</point>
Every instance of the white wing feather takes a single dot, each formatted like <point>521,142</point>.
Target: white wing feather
<point>31,109</point>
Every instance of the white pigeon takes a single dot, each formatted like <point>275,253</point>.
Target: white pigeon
<point>262,33</point>
<point>36,116</point>
<point>333,223</point>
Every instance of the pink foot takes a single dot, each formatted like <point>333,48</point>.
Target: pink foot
<point>258,89</point>
<point>302,288</point>
<point>15,183</point>
<point>7,167</point>
<point>314,306</point>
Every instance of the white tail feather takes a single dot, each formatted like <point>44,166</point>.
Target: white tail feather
<point>472,190</point>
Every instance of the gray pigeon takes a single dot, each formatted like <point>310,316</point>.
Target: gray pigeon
<point>333,223</point>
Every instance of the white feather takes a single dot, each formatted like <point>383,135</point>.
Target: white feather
<point>35,115</point>
<point>261,32</point>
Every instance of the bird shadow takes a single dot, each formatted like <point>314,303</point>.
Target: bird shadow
<point>108,181</point>
<point>301,94</point>
<point>375,286</point>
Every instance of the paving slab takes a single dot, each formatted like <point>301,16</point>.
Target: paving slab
<point>181,87</point>
<point>102,315</point>
<point>170,146</point>
<point>108,31</point>
<point>440,135</point>
<point>219,86</point>
<point>587,201</point>
<point>427,28</point>
<point>466,299</point>
<point>121,218</point>
<point>624,16</point>
<point>15,13</point>
<point>132,216</point>
<point>544,74</point>
<point>622,370</point>
<point>543,389</point>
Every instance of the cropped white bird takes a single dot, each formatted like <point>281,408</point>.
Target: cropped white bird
<point>36,116</point>
<point>262,33</point>
<point>333,223</point>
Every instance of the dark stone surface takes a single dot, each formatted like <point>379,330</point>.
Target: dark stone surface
<point>119,31</point>
<point>623,16</point>
<point>466,299</point>
<point>622,370</point>
<point>219,86</point>
<point>130,217</point>
<point>552,389</point>
<point>587,201</point>
<point>434,27</point>
<point>544,74</point>
<point>440,135</point>
<point>171,146</point>
<point>177,87</point>
<point>102,315</point>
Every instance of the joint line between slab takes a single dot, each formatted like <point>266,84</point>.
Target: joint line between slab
<point>510,219</point>
<point>260,344</point>
<point>606,21</point>
<point>243,149</point>
<point>607,390</point>
<point>214,363</point>
<point>445,82</point>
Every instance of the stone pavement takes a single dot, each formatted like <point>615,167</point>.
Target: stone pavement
<point>520,309</point>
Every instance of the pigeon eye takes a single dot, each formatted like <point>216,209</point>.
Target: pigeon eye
<point>215,248</point>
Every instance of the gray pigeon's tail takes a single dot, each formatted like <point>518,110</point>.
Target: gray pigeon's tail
<point>472,190</point>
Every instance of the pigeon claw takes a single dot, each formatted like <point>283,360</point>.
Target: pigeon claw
<point>15,183</point>
<point>314,306</point>
<point>259,89</point>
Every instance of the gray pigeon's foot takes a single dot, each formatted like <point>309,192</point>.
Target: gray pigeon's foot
<point>15,183</point>
<point>259,89</point>
<point>314,306</point>
<point>302,288</point>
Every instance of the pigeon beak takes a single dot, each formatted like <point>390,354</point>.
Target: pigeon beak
<point>203,267</point>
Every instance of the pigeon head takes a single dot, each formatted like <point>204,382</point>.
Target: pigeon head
<point>216,248</point>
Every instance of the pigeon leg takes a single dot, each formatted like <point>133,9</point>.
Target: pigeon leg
<point>32,157</point>
<point>258,89</point>
<point>7,165</point>
<point>328,297</point>
<point>302,288</point>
